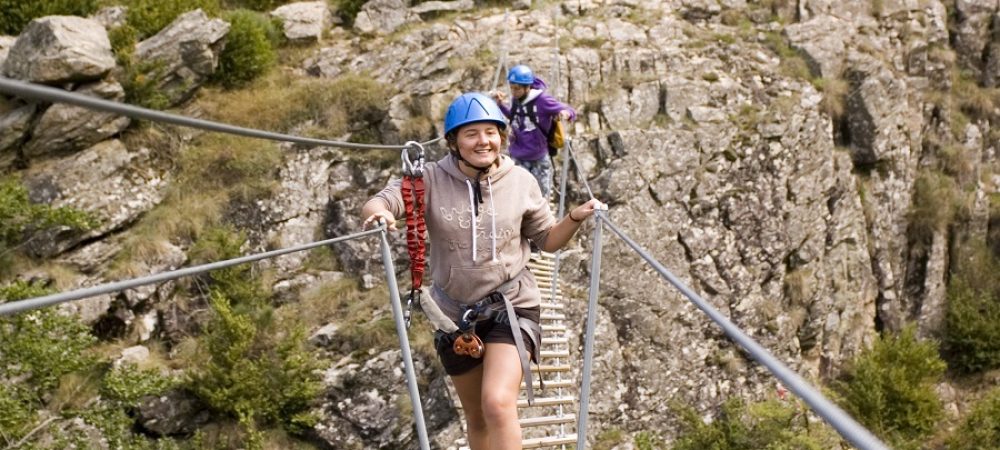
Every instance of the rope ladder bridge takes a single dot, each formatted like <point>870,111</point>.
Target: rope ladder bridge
<point>547,423</point>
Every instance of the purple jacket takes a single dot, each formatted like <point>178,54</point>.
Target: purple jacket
<point>528,142</point>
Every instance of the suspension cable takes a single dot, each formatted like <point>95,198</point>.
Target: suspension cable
<point>851,430</point>
<point>53,299</point>
<point>50,94</point>
<point>579,173</point>
<point>502,63</point>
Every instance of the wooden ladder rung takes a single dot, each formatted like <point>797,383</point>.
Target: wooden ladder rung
<point>553,316</point>
<point>546,401</point>
<point>552,384</point>
<point>541,265</point>
<point>547,441</point>
<point>540,401</point>
<point>554,354</point>
<point>548,368</point>
<point>547,420</point>
<point>555,341</point>
<point>550,441</point>
<point>553,306</point>
<point>552,328</point>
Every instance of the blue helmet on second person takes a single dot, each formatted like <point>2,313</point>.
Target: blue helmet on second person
<point>521,74</point>
<point>473,107</point>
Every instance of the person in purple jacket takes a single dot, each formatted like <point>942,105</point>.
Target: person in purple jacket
<point>531,113</point>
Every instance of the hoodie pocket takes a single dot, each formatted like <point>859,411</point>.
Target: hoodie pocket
<point>470,284</point>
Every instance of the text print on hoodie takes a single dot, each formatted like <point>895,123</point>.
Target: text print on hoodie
<point>473,254</point>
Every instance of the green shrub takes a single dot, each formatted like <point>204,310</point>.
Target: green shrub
<point>348,9</point>
<point>648,441</point>
<point>249,49</point>
<point>137,78</point>
<point>38,348</point>
<point>889,388</point>
<point>148,17</point>
<point>15,14</point>
<point>766,425</point>
<point>18,215</point>
<point>128,384</point>
<point>255,369</point>
<point>237,283</point>
<point>980,426</point>
<point>971,340</point>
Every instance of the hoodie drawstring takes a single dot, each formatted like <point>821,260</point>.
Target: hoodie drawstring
<point>476,198</point>
<point>493,221</point>
<point>473,207</point>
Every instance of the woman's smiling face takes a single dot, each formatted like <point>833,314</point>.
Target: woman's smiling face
<point>479,143</point>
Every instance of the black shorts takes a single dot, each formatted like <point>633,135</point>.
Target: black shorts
<point>488,331</point>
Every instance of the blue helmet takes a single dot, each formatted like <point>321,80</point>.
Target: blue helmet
<point>521,74</point>
<point>473,107</point>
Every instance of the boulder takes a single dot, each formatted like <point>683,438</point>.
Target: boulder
<point>177,412</point>
<point>381,17</point>
<point>109,181</point>
<point>135,355</point>
<point>821,40</point>
<point>185,54</point>
<point>629,108</point>
<point>433,8</point>
<point>304,21</point>
<point>65,128</point>
<point>365,397</point>
<point>971,32</point>
<point>849,10</point>
<point>111,16</point>
<point>6,42</point>
<point>60,49</point>
<point>15,122</point>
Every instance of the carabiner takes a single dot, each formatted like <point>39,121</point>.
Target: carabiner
<point>414,166</point>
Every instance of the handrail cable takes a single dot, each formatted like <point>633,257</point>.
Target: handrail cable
<point>50,94</point>
<point>63,297</point>
<point>851,430</point>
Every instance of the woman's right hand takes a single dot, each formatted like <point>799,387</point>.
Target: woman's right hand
<point>373,220</point>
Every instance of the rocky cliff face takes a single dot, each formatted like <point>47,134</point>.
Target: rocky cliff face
<point>784,202</point>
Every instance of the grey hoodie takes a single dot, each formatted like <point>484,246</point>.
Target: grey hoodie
<point>465,265</point>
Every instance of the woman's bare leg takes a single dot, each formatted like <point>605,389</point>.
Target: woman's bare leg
<point>469,388</point>
<point>501,383</point>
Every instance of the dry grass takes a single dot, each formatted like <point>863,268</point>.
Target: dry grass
<point>936,201</point>
<point>281,101</point>
<point>797,286</point>
<point>75,391</point>
<point>835,92</point>
<point>364,318</point>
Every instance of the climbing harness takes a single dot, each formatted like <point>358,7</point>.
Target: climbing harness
<point>416,227</point>
<point>489,308</point>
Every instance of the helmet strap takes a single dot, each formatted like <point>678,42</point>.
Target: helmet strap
<point>480,171</point>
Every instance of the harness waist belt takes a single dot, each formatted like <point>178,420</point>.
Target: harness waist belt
<point>444,323</point>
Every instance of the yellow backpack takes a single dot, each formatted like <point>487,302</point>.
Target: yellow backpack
<point>556,136</point>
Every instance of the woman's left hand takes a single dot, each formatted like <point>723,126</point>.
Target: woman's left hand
<point>582,212</point>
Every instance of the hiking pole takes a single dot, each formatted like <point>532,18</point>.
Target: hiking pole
<point>404,343</point>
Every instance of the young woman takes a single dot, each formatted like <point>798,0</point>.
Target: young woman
<point>481,211</point>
